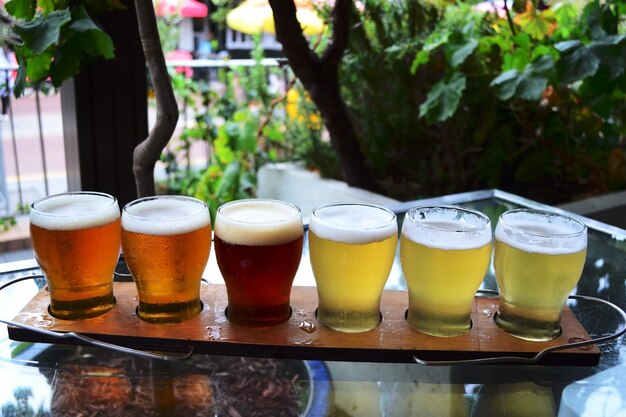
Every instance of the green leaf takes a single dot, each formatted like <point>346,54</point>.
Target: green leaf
<point>528,84</point>
<point>82,21</point>
<point>246,141</point>
<point>506,84</point>
<point>611,51</point>
<point>223,152</point>
<point>577,62</point>
<point>20,82</point>
<point>273,135</point>
<point>65,66</point>
<point>443,99</point>
<point>538,24</point>
<point>531,87</point>
<point>421,58</point>
<point>229,182</point>
<point>92,43</point>
<point>21,9</point>
<point>40,34</point>
<point>38,66</point>
<point>460,45</point>
<point>599,20</point>
<point>566,17</point>
<point>460,52</point>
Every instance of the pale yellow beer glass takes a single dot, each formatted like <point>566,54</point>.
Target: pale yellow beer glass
<point>166,242</point>
<point>351,248</point>
<point>76,239</point>
<point>538,258</point>
<point>445,253</point>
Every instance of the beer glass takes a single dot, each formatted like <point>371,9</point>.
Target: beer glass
<point>352,248</point>
<point>76,239</point>
<point>539,257</point>
<point>258,246</point>
<point>166,242</point>
<point>445,252</point>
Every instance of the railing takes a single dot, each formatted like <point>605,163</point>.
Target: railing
<point>21,181</point>
<point>32,160</point>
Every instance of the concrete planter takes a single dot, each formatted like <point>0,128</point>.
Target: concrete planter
<point>608,208</point>
<point>292,183</point>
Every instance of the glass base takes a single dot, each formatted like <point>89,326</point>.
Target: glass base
<point>526,329</point>
<point>439,326</point>
<point>258,316</point>
<point>81,309</point>
<point>349,321</point>
<point>170,313</point>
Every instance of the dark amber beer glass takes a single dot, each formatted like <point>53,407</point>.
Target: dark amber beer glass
<point>258,245</point>
<point>76,239</point>
<point>166,242</point>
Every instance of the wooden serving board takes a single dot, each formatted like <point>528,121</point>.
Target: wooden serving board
<point>211,332</point>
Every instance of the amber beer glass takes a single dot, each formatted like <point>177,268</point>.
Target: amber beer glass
<point>352,248</point>
<point>166,242</point>
<point>445,252</point>
<point>76,239</point>
<point>538,258</point>
<point>258,246</point>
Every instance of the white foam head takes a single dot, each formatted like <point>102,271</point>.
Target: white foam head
<point>165,215</point>
<point>258,222</point>
<point>74,211</point>
<point>353,223</point>
<point>447,227</point>
<point>541,232</point>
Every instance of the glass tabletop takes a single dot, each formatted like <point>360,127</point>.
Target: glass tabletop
<point>64,380</point>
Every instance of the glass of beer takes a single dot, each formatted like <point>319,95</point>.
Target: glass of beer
<point>445,252</point>
<point>539,257</point>
<point>258,246</point>
<point>352,248</point>
<point>166,242</point>
<point>76,239</point>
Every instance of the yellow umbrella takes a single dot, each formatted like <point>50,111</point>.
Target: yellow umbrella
<point>254,16</point>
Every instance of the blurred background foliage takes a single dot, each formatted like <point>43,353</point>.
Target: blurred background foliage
<point>528,98</point>
<point>445,97</point>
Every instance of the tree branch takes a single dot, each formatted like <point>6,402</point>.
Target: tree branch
<point>320,77</point>
<point>339,40</point>
<point>148,152</point>
<point>302,60</point>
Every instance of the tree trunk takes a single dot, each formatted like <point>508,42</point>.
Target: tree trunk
<point>320,77</point>
<point>148,152</point>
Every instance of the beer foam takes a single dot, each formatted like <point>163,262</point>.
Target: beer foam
<point>353,223</point>
<point>536,236</point>
<point>165,216</point>
<point>442,228</point>
<point>74,211</point>
<point>258,222</point>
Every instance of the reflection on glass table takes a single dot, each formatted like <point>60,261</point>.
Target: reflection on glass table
<point>63,380</point>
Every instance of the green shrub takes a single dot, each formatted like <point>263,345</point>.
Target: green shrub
<point>453,99</point>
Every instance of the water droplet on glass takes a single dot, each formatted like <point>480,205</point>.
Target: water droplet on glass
<point>307,327</point>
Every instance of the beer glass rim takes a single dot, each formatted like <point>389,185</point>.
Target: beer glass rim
<point>473,228</point>
<point>112,199</point>
<point>392,218</point>
<point>203,207</point>
<point>543,214</point>
<point>298,212</point>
